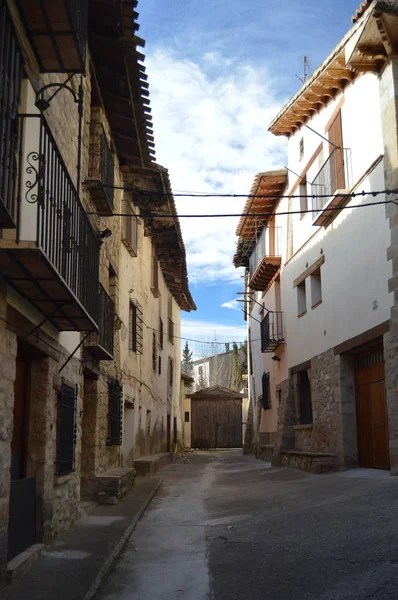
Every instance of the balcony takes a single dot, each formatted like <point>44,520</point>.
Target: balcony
<point>52,259</point>
<point>271,332</point>
<point>265,260</point>
<point>100,345</point>
<point>11,69</point>
<point>329,186</point>
<point>101,177</point>
<point>57,31</point>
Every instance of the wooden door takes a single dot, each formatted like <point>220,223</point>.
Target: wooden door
<point>216,423</point>
<point>337,167</point>
<point>372,420</point>
<point>22,511</point>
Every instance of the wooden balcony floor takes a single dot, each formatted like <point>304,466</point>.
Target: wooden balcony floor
<point>26,268</point>
<point>265,273</point>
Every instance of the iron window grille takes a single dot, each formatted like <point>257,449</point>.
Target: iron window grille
<point>11,68</point>
<point>160,365</point>
<point>161,333</point>
<point>171,331</point>
<point>115,413</point>
<point>106,320</point>
<point>154,353</point>
<point>171,372</point>
<point>66,425</point>
<point>266,403</point>
<point>136,327</point>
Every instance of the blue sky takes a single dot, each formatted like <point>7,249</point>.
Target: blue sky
<point>219,71</point>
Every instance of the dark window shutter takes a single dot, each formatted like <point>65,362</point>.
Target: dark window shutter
<point>265,384</point>
<point>115,414</point>
<point>66,438</point>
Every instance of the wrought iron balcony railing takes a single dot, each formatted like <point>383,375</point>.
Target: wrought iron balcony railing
<point>101,176</point>
<point>11,68</point>
<point>265,259</point>
<point>54,260</point>
<point>58,33</point>
<point>100,345</point>
<point>272,331</point>
<point>335,174</point>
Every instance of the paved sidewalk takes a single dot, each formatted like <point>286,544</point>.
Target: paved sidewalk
<point>74,566</point>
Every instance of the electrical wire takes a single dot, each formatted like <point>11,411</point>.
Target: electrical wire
<point>149,215</point>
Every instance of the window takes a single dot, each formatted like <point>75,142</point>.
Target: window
<point>303,196</point>
<point>266,391</point>
<point>171,372</point>
<point>148,422</point>
<point>160,365</point>
<point>135,328</point>
<point>304,394</point>
<point>130,228</point>
<point>316,288</point>
<point>115,402</point>
<point>140,417</point>
<point>186,417</point>
<point>154,353</point>
<point>175,433</point>
<point>160,333</point>
<point>278,397</point>
<point>155,273</point>
<point>301,148</point>
<point>66,429</point>
<point>170,320</point>
<point>162,424</point>
<point>301,299</point>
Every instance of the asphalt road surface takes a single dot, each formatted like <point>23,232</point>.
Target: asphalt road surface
<point>229,527</point>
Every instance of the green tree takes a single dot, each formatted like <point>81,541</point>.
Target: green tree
<point>236,371</point>
<point>187,361</point>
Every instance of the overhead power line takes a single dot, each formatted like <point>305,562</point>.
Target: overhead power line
<point>149,214</point>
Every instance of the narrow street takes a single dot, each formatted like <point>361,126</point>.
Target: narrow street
<point>226,526</point>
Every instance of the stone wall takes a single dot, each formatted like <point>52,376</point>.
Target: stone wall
<point>284,438</point>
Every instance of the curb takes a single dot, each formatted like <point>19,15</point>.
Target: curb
<point>118,548</point>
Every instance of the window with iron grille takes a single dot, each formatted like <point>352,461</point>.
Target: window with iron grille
<point>135,328</point>
<point>160,365</point>
<point>170,319</point>
<point>161,333</point>
<point>66,429</point>
<point>130,228</point>
<point>171,332</point>
<point>154,353</point>
<point>115,405</point>
<point>266,391</point>
<point>11,69</point>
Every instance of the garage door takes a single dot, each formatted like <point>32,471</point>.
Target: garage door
<point>216,423</point>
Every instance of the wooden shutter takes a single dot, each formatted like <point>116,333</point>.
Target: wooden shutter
<point>66,438</point>
<point>265,386</point>
<point>337,174</point>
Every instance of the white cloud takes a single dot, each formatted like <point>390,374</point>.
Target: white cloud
<point>233,304</point>
<point>210,123</point>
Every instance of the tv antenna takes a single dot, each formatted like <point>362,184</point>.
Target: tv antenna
<point>306,70</point>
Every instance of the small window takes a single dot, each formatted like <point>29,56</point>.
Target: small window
<point>171,372</point>
<point>303,192</point>
<point>171,332</point>
<point>155,273</point>
<point>130,228</point>
<point>301,299</point>
<point>135,328</point>
<point>301,148</point>
<point>266,392</point>
<point>66,429</point>
<point>148,422</point>
<point>278,397</point>
<point>140,417</point>
<point>186,417</point>
<point>162,424</point>
<point>161,334</point>
<point>316,288</point>
<point>160,365</point>
<point>175,431</point>
<point>154,353</point>
<point>115,402</point>
<point>304,394</point>
<point>170,319</point>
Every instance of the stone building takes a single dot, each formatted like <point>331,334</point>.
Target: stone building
<point>321,264</point>
<point>90,287</point>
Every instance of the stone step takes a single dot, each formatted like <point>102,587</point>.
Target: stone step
<point>114,483</point>
<point>147,466</point>
<point>312,462</point>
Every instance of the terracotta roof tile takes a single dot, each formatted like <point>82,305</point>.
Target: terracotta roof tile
<point>361,10</point>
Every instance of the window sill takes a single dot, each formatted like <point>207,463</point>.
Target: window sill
<point>302,314</point>
<point>316,304</point>
<point>63,479</point>
<point>299,427</point>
